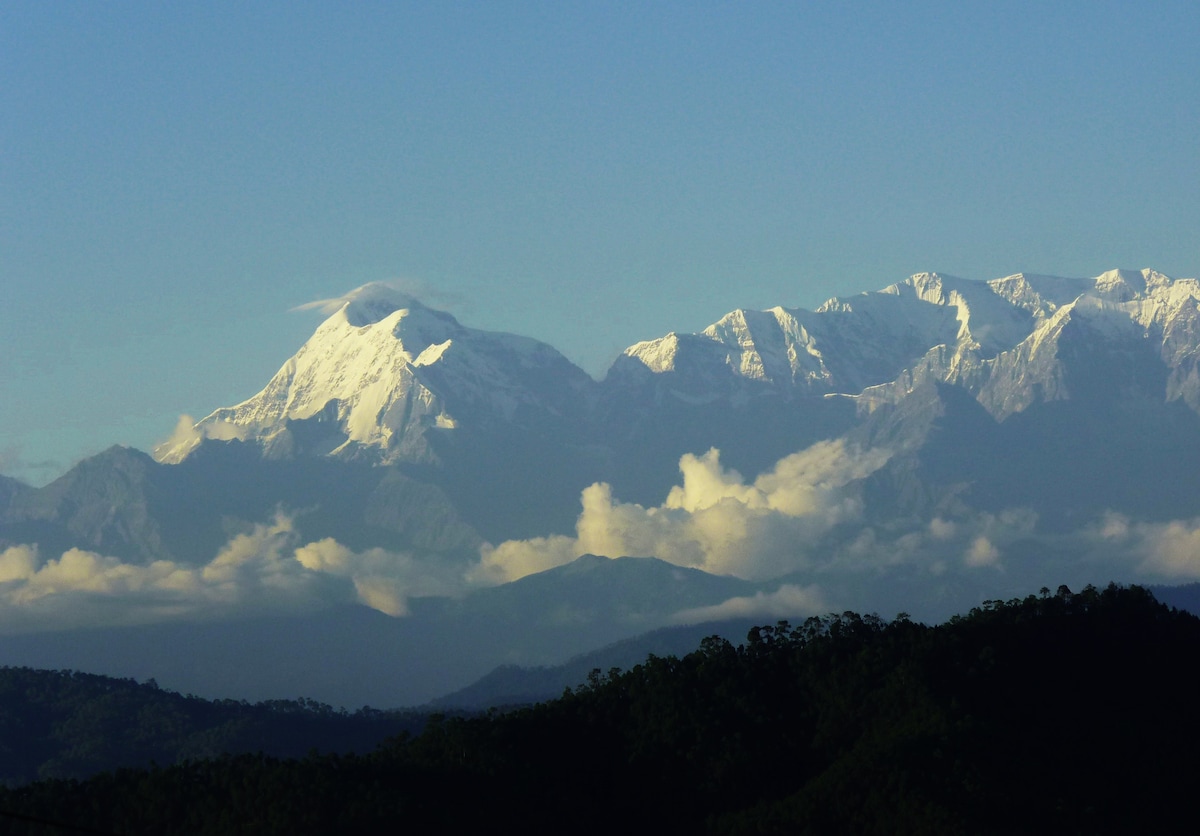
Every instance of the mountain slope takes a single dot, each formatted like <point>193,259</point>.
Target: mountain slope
<point>760,385</point>
<point>103,503</point>
<point>1078,704</point>
<point>71,725</point>
<point>510,685</point>
<point>384,373</point>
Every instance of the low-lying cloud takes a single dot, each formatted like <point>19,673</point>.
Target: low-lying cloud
<point>789,601</point>
<point>382,579</point>
<point>1165,550</point>
<point>265,569</point>
<point>802,526</point>
<point>714,520</point>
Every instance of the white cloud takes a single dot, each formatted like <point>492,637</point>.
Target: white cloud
<point>1163,549</point>
<point>1147,551</point>
<point>969,541</point>
<point>18,563</point>
<point>982,553</point>
<point>1171,549</point>
<point>714,521</point>
<point>262,558</point>
<point>188,433</point>
<point>384,594</point>
<point>409,287</point>
<point>940,529</point>
<point>382,575</point>
<point>1114,526</point>
<point>789,601</point>
<point>262,569</point>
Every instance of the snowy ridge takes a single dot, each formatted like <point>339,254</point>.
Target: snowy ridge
<point>383,370</point>
<point>846,345</point>
<point>999,339</point>
<point>1097,316</point>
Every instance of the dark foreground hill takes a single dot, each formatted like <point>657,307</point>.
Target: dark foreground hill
<point>1064,713</point>
<point>66,724</point>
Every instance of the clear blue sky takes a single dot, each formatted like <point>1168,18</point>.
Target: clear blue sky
<point>175,177</point>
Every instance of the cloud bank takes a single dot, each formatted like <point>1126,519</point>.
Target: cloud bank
<point>1164,550</point>
<point>789,601</point>
<point>802,526</point>
<point>714,520</point>
<point>266,569</point>
<point>804,523</point>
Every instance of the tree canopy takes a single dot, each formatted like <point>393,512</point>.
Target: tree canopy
<point>1056,713</point>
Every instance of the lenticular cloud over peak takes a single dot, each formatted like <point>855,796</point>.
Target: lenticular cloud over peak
<point>366,304</point>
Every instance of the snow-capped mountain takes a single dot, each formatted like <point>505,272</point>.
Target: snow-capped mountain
<point>387,379</point>
<point>758,384</point>
<point>501,433</point>
<point>998,338</point>
<point>383,372</point>
<point>921,447</point>
<point>511,430</point>
<point>1121,331</point>
<point>842,347</point>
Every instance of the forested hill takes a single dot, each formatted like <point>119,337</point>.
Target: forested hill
<point>1059,713</point>
<point>66,724</point>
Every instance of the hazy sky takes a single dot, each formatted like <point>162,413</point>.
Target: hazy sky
<point>174,178</point>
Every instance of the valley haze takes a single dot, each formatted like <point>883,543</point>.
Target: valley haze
<point>410,502</point>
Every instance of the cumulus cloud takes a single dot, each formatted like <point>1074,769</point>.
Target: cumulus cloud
<point>84,588</point>
<point>789,601</point>
<point>970,540</point>
<point>17,563</point>
<point>264,569</point>
<point>1168,550</point>
<point>804,523</point>
<point>259,559</point>
<point>1172,549</point>
<point>714,520</point>
<point>940,529</point>
<point>383,580</point>
<point>982,553</point>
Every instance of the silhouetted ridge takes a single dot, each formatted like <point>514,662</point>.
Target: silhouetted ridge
<point>1077,704</point>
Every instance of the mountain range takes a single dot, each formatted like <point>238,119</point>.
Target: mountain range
<point>924,447</point>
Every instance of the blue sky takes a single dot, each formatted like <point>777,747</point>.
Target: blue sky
<point>174,178</point>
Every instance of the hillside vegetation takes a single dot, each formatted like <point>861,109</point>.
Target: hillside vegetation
<point>67,724</point>
<point>1058,713</point>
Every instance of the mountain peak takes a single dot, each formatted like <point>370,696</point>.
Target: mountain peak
<point>1123,283</point>
<point>381,373</point>
<point>371,303</point>
<point>384,375</point>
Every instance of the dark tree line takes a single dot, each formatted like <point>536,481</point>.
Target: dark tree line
<point>66,724</point>
<point>1058,713</point>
